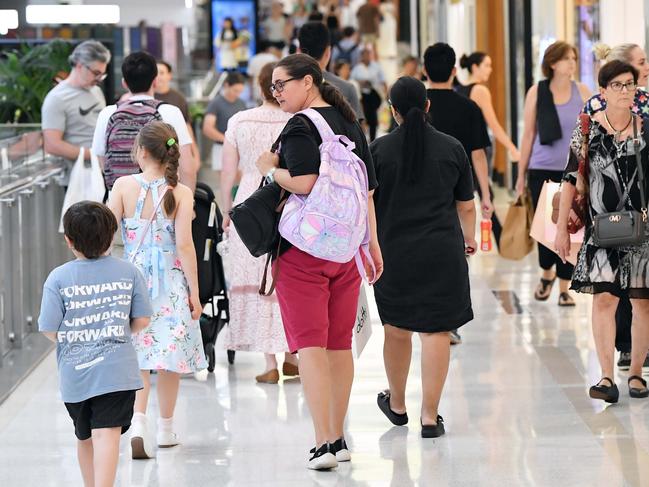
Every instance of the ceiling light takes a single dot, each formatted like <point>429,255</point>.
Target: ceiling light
<point>8,20</point>
<point>189,3</point>
<point>72,14</point>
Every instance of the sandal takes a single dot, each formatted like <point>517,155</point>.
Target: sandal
<point>544,289</point>
<point>565,299</point>
<point>433,430</point>
<point>636,392</point>
<point>609,394</point>
<point>383,401</point>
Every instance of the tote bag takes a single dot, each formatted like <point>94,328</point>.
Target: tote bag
<point>515,240</point>
<point>86,184</point>
<point>362,325</point>
<point>544,230</point>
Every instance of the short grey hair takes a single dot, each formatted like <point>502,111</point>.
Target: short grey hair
<point>89,52</point>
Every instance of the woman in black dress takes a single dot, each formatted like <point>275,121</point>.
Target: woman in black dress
<point>425,218</point>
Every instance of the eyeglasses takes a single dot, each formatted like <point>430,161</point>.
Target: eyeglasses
<point>278,86</point>
<point>617,86</point>
<point>98,75</point>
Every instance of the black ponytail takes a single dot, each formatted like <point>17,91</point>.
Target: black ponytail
<point>334,97</point>
<point>301,65</point>
<point>408,97</point>
<point>474,59</point>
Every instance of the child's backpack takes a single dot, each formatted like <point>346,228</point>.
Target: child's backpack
<point>123,126</point>
<point>331,222</point>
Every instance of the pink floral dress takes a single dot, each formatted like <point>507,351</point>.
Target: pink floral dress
<point>173,340</point>
<point>255,321</point>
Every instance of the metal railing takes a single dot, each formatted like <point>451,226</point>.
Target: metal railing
<point>31,197</point>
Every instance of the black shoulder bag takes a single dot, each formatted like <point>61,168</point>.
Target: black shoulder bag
<point>256,220</point>
<point>624,227</point>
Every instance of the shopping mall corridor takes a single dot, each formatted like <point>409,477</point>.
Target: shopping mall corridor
<point>516,411</point>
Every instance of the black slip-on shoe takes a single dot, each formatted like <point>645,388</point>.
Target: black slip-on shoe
<point>636,392</point>
<point>433,430</point>
<point>383,401</point>
<point>609,394</point>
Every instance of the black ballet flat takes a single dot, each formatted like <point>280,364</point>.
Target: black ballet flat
<point>609,394</point>
<point>433,430</point>
<point>636,392</point>
<point>383,401</point>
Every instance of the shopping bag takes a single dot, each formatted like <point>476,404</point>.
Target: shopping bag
<point>515,240</point>
<point>544,231</point>
<point>86,183</point>
<point>362,325</point>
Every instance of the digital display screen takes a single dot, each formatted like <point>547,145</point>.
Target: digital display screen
<point>233,47</point>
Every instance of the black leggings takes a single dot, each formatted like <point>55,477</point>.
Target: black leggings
<point>623,317</point>
<point>547,258</point>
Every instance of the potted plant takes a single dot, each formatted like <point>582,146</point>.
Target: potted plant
<point>27,74</point>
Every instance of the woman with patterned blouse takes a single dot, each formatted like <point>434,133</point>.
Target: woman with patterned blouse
<point>607,273</point>
<point>636,57</point>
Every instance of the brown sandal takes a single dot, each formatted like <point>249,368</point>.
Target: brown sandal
<point>565,299</point>
<point>544,289</point>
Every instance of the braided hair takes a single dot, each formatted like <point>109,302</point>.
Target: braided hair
<point>161,142</point>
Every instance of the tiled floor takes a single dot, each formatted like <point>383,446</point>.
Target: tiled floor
<point>515,405</point>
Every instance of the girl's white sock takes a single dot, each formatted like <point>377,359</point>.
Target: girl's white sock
<point>165,424</point>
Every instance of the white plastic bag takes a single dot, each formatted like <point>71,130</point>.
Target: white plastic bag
<point>86,183</point>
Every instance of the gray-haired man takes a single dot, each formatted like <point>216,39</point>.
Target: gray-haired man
<point>70,109</point>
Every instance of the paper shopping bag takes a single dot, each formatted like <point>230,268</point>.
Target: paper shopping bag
<point>544,231</point>
<point>515,242</point>
<point>362,325</point>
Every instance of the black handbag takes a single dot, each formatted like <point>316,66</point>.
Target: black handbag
<point>256,219</point>
<point>624,227</point>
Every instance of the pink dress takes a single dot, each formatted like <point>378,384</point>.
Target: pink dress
<point>255,321</point>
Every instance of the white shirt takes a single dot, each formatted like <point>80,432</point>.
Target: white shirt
<point>169,113</point>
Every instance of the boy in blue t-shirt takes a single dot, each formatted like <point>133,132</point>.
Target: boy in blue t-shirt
<point>90,307</point>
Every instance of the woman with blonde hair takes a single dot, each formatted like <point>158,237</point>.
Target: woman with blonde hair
<point>634,55</point>
<point>255,320</point>
<point>551,108</point>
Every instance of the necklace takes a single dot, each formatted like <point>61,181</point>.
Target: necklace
<point>618,132</point>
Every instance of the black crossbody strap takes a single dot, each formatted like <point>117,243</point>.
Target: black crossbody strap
<point>638,160</point>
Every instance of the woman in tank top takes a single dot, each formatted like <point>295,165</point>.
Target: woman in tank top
<point>479,67</point>
<point>551,108</point>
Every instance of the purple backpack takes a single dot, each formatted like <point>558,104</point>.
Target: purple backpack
<point>123,126</point>
<point>331,222</point>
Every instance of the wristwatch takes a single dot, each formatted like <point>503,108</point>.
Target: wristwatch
<point>269,176</point>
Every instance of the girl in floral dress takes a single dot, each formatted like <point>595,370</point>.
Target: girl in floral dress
<point>158,240</point>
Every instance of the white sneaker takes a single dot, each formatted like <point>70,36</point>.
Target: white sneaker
<point>341,451</point>
<point>141,445</point>
<point>201,375</point>
<point>167,439</point>
<point>322,458</point>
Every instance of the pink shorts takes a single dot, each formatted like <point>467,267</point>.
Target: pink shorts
<point>318,300</point>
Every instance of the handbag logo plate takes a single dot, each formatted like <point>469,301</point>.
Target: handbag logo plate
<point>614,218</point>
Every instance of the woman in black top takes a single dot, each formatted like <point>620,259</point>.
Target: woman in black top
<point>318,298</point>
<point>426,216</point>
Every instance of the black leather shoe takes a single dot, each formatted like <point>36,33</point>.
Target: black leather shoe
<point>433,430</point>
<point>610,394</point>
<point>636,392</point>
<point>383,401</point>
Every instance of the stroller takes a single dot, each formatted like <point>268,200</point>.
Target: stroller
<point>207,233</point>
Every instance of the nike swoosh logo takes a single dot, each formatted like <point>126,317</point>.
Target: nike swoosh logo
<point>87,110</point>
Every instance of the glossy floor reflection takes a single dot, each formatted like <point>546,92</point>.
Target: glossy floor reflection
<point>516,413</point>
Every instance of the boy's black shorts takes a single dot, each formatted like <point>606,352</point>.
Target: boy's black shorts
<point>106,411</point>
